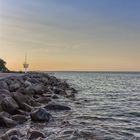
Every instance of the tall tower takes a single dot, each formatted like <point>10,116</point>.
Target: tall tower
<point>25,64</point>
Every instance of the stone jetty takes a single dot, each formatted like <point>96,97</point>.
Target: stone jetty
<point>30,100</point>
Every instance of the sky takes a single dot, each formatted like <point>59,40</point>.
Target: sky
<point>71,35</point>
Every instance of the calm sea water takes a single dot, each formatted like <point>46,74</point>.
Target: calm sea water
<point>109,103</point>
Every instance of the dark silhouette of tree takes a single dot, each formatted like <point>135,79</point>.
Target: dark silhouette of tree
<point>3,67</point>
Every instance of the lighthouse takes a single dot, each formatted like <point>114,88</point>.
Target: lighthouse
<point>25,64</point>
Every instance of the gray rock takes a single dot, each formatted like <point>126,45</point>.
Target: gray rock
<point>27,84</point>
<point>29,90</point>
<point>5,114</point>
<point>14,87</point>
<point>59,91</point>
<point>9,81</point>
<point>23,101</point>
<point>55,96</point>
<point>6,122</point>
<point>34,81</point>
<point>35,135</point>
<point>11,133</point>
<point>20,98</point>
<point>3,85</point>
<point>9,105</point>
<point>57,107</point>
<point>4,92</point>
<point>26,107</point>
<point>19,118</point>
<point>38,89</point>
<point>14,138</point>
<point>41,115</point>
<point>43,100</point>
<point>21,112</point>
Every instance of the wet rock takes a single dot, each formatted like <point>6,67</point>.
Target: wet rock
<point>3,85</point>
<point>35,135</point>
<point>44,80</point>
<point>34,81</point>
<point>11,133</point>
<point>9,105</point>
<point>41,115</point>
<point>49,94</point>
<point>14,87</point>
<point>4,92</point>
<point>14,138</point>
<point>43,100</point>
<point>73,90</point>
<point>59,91</point>
<point>23,101</point>
<point>29,90</point>
<point>33,103</point>
<point>5,114</point>
<point>26,107</point>
<point>27,84</point>
<point>9,81</point>
<point>19,118</point>
<point>6,122</point>
<point>21,90</point>
<point>70,94</point>
<point>57,107</point>
<point>39,89</point>
<point>20,98</point>
<point>21,112</point>
<point>55,96</point>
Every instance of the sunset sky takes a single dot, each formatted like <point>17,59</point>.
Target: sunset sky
<point>95,35</point>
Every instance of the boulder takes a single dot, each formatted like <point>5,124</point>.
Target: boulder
<point>25,107</point>
<point>35,135</point>
<point>9,81</point>
<point>19,118</point>
<point>73,90</point>
<point>23,101</point>
<point>20,98</point>
<point>6,122</point>
<point>14,138</point>
<point>34,81</point>
<point>9,105</point>
<point>38,89</point>
<point>12,134</point>
<point>14,87</point>
<point>59,91</point>
<point>5,114</point>
<point>3,85</point>
<point>41,115</point>
<point>4,92</point>
<point>27,84</point>
<point>43,100</point>
<point>70,94</point>
<point>29,90</point>
<point>55,96</point>
<point>44,80</point>
<point>57,107</point>
<point>21,90</point>
<point>21,112</point>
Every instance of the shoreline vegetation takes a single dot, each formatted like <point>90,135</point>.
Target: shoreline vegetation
<point>29,104</point>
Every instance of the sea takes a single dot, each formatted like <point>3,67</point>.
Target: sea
<point>107,103</point>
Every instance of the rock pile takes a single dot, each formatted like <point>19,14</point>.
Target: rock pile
<point>30,98</point>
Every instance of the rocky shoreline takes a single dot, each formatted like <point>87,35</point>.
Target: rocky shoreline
<point>28,104</point>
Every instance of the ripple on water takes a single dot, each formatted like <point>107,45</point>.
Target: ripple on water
<point>112,103</point>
